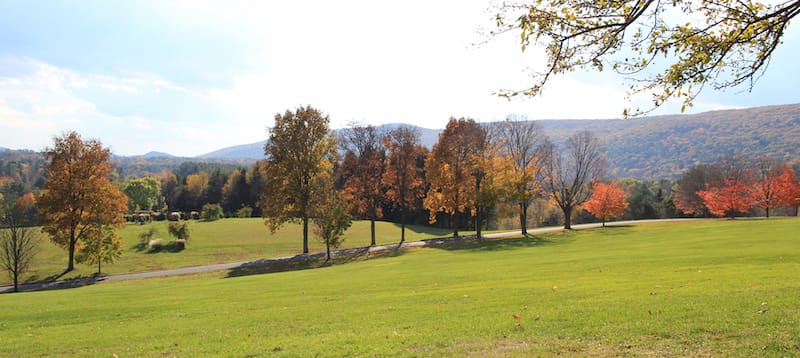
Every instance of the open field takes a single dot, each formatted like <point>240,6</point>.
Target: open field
<point>722,288</point>
<point>222,241</point>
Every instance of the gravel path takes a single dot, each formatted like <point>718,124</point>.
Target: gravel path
<point>262,262</point>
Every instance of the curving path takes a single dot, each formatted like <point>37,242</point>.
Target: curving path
<point>261,262</point>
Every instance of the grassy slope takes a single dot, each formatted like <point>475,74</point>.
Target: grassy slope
<point>223,241</point>
<point>726,288</point>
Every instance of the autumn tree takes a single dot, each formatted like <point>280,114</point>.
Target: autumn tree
<point>331,217</point>
<point>78,201</point>
<point>568,174</point>
<point>523,145</point>
<point>694,180</point>
<point>362,169</point>
<point>730,196</point>
<point>143,193</point>
<point>451,170</point>
<point>101,248</point>
<point>19,242</point>
<point>195,190</point>
<point>300,152</point>
<point>772,186</point>
<point>668,49</point>
<point>402,178</point>
<point>171,189</point>
<point>607,201</point>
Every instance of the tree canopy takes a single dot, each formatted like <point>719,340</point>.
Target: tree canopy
<point>78,201</point>
<point>670,49</point>
<point>300,153</point>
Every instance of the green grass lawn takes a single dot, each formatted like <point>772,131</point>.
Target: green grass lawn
<point>222,241</point>
<point>709,288</point>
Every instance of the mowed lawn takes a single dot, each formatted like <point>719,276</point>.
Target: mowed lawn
<point>222,241</point>
<point>707,288</point>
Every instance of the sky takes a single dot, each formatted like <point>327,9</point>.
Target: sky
<point>191,77</point>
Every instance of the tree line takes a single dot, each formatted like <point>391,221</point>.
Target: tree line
<point>475,177</point>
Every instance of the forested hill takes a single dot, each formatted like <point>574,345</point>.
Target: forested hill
<point>663,147</point>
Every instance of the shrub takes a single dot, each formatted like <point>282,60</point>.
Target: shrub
<point>147,235</point>
<point>244,212</point>
<point>180,230</point>
<point>212,212</point>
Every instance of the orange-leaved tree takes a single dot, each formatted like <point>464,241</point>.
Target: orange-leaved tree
<point>362,171</point>
<point>78,202</point>
<point>607,201</point>
<point>402,178</point>
<point>731,195</point>
<point>450,169</point>
<point>772,188</point>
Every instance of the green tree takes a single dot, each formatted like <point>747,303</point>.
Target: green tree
<point>300,153</point>
<point>670,49</point>
<point>78,201</point>
<point>211,212</point>
<point>331,219</point>
<point>103,248</point>
<point>179,230</point>
<point>143,193</point>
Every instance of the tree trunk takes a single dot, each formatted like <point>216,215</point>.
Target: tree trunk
<point>16,281</point>
<point>305,235</point>
<point>455,224</point>
<point>372,231</point>
<point>99,272</point>
<point>767,209</point>
<point>604,221</point>
<point>523,217</point>
<point>328,250</point>
<point>478,223</point>
<point>403,226</point>
<point>567,217</point>
<point>71,263</point>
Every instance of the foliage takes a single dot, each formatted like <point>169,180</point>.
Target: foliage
<point>607,201</point>
<point>362,171</point>
<point>403,179</point>
<point>696,179</point>
<point>523,144</point>
<point>300,153</point>
<point>148,234</point>
<point>19,242</point>
<point>79,202</point>
<point>730,199</point>
<point>451,169</point>
<point>97,250</point>
<point>212,212</point>
<point>244,212</point>
<point>567,176</point>
<point>773,186</point>
<point>143,193</point>
<point>179,230</point>
<point>331,219</point>
<point>666,49</point>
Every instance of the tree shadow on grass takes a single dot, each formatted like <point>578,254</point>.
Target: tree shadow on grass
<point>312,261</point>
<point>500,244</point>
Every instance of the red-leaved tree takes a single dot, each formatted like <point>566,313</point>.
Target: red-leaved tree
<point>773,186</point>
<point>730,199</point>
<point>607,201</point>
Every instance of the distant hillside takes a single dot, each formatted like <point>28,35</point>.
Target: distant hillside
<point>428,137</point>
<point>158,155</point>
<point>662,147</point>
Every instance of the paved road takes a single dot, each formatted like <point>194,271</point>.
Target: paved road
<point>261,262</point>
